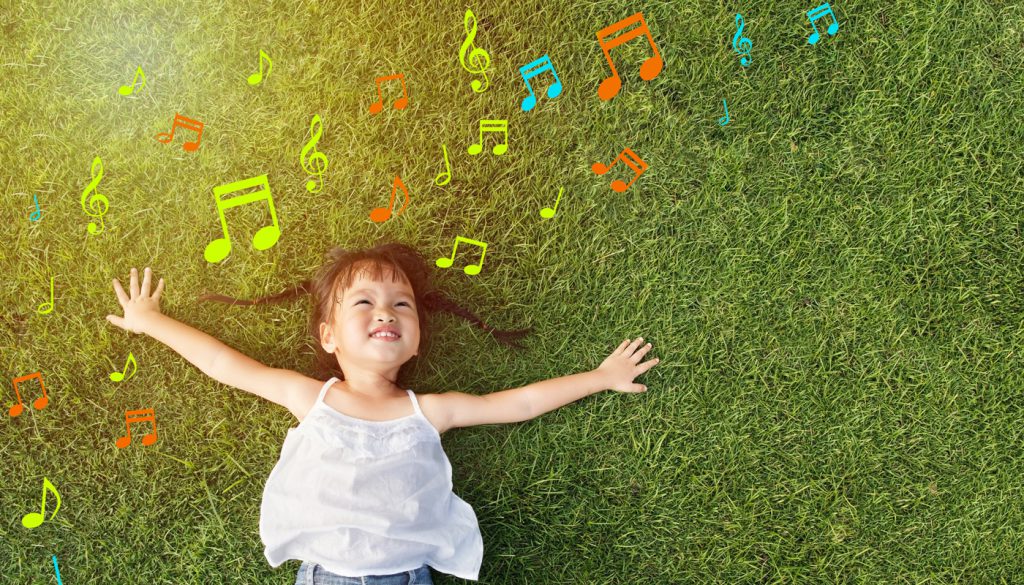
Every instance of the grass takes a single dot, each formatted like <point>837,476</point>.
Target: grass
<point>833,281</point>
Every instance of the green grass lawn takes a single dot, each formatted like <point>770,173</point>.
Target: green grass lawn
<point>832,280</point>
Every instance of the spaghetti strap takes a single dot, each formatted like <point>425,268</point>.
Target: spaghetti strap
<point>323,391</point>
<point>415,403</point>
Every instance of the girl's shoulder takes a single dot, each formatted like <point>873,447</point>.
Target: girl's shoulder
<point>434,409</point>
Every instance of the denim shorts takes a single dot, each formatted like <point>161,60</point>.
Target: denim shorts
<point>313,574</point>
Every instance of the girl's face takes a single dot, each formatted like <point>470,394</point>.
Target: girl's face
<point>375,324</point>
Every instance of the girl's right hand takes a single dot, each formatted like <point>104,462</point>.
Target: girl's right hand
<point>139,305</point>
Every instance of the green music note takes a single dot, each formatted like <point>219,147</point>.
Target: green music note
<point>266,237</point>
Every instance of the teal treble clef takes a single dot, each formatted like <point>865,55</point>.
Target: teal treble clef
<point>741,44</point>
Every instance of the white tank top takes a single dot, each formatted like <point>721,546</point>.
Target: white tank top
<point>366,497</point>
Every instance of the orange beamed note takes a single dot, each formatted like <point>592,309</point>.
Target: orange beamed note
<point>632,161</point>
<point>399,104</point>
<point>188,124</point>
<point>137,416</point>
<point>650,68</point>
<point>39,404</point>
<point>382,214</point>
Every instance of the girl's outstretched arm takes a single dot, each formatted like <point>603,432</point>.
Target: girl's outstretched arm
<point>213,357</point>
<point>616,372</point>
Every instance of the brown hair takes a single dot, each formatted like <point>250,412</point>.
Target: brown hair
<point>341,269</point>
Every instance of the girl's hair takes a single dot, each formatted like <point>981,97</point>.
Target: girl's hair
<point>341,269</point>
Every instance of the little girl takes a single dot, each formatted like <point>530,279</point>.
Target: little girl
<point>362,492</point>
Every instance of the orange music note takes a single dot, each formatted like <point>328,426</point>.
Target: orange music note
<point>632,161</point>
<point>400,103</point>
<point>34,519</point>
<point>188,124</point>
<point>39,404</point>
<point>266,237</point>
<point>137,416</point>
<point>472,268</point>
<point>381,214</point>
<point>650,69</point>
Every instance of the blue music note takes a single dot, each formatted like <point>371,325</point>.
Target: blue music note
<point>533,69</point>
<point>815,14</point>
<point>740,43</point>
<point>724,119</point>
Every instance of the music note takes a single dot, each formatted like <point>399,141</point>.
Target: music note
<point>266,237</point>
<point>547,212</point>
<point>724,119</point>
<point>399,104</point>
<point>257,77</point>
<point>120,376</point>
<point>491,126</point>
<point>382,214</point>
<point>741,44</point>
<point>34,519</point>
<point>127,90</point>
<point>316,163</point>
<point>447,174</point>
<point>631,160</point>
<point>472,268</point>
<point>650,68</point>
<point>533,69</point>
<point>98,204</point>
<point>38,213</point>
<point>39,403</point>
<point>136,416</point>
<point>478,60</point>
<point>56,570</point>
<point>188,124</point>
<point>815,14</point>
<point>48,304</point>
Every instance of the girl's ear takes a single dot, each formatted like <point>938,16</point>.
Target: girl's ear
<point>327,339</point>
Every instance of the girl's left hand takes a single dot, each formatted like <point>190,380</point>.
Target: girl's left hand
<point>623,365</point>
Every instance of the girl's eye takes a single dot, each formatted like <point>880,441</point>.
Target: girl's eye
<point>405,303</point>
<point>362,301</point>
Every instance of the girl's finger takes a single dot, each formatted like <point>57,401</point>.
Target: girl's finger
<point>632,346</point>
<point>638,388</point>
<point>146,281</point>
<point>621,347</point>
<point>647,365</point>
<point>640,354</point>
<point>159,289</point>
<point>121,297</point>
<point>119,321</point>
<point>134,286</point>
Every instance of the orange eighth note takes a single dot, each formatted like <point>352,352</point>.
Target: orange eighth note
<point>39,403</point>
<point>631,160</point>
<point>399,104</point>
<point>137,416</point>
<point>382,214</point>
<point>650,68</point>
